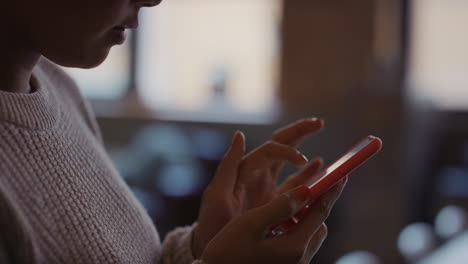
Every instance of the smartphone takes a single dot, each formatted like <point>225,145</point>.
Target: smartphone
<point>326,179</point>
<point>354,158</point>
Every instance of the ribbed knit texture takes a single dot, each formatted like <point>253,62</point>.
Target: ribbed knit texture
<point>61,199</point>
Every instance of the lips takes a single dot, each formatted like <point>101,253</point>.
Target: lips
<point>125,26</point>
<point>119,28</point>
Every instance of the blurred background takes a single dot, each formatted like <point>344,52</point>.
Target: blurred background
<point>170,99</point>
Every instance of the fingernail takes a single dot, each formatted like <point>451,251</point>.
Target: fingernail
<point>235,137</point>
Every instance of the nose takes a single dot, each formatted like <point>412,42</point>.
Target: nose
<point>149,3</point>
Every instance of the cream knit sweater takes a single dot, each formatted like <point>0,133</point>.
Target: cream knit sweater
<point>61,199</point>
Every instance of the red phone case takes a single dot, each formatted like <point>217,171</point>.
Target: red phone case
<point>319,184</point>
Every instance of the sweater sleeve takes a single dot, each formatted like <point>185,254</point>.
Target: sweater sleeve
<point>177,247</point>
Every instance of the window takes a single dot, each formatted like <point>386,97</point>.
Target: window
<point>209,56</point>
<point>210,60</point>
<point>108,81</point>
<point>438,62</point>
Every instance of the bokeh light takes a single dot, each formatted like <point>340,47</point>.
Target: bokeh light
<point>450,221</point>
<point>416,240</point>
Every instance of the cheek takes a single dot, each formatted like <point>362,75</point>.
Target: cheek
<point>80,36</point>
<point>107,13</point>
<point>92,18</point>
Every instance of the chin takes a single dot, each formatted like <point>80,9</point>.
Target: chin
<point>83,60</point>
<point>90,63</point>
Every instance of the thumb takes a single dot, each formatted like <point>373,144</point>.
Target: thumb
<point>226,174</point>
<point>281,208</point>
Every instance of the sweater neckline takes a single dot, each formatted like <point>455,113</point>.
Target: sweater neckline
<point>38,110</point>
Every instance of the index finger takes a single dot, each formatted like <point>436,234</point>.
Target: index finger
<point>293,134</point>
<point>269,152</point>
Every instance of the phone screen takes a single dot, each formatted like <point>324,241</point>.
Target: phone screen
<point>339,162</point>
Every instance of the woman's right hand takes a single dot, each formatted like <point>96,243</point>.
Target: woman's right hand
<point>247,239</point>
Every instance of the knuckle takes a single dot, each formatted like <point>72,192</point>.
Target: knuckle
<point>323,231</point>
<point>270,144</point>
<point>338,191</point>
<point>332,195</point>
<point>269,148</point>
<point>324,208</point>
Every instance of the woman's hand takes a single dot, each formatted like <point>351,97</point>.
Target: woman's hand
<point>259,170</point>
<point>246,239</point>
<point>245,182</point>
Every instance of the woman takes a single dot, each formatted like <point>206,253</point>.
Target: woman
<point>61,199</point>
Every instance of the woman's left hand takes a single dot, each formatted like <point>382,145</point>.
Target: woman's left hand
<point>243,182</point>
